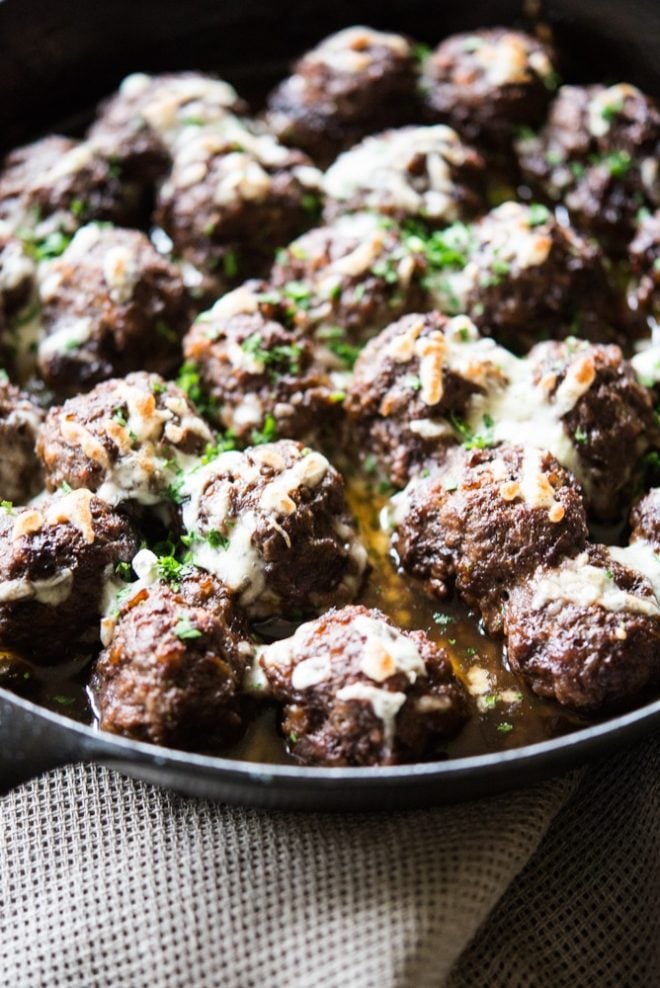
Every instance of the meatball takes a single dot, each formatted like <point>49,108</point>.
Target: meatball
<point>141,122</point>
<point>232,197</point>
<point>522,277</point>
<point>587,632</point>
<point>644,256</point>
<point>484,521</point>
<point>349,280</point>
<point>20,469</point>
<point>272,524</point>
<point>356,82</point>
<point>414,172</point>
<point>49,188</point>
<point>111,304</point>
<point>605,413</point>
<point>598,156</point>
<point>172,672</point>
<point>258,369</point>
<point>127,440</point>
<point>359,691</point>
<point>645,519</point>
<point>486,84</point>
<point>412,386</point>
<point>56,559</point>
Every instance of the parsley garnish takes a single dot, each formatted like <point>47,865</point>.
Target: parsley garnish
<point>267,434</point>
<point>186,630</point>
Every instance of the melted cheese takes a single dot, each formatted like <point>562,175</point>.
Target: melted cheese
<point>386,651</point>
<point>384,704</point>
<point>604,106</point>
<point>52,591</point>
<point>578,582</point>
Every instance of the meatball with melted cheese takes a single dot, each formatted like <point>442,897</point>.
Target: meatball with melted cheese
<point>645,519</point>
<point>587,632</point>
<point>272,524</point>
<point>173,669</point>
<point>487,84</point>
<point>484,521</point>
<point>127,440</point>
<point>644,257</point>
<point>354,83</point>
<point>140,124</point>
<point>598,156</point>
<point>412,386</point>
<point>413,172</point>
<point>56,559</point>
<point>258,369</point>
<point>349,280</point>
<point>605,413</point>
<point>50,188</point>
<point>111,305</point>
<point>522,277</point>
<point>231,198</point>
<point>359,691</point>
<point>20,470</point>
<point>18,278</point>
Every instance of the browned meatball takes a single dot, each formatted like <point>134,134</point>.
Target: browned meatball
<point>49,188</point>
<point>645,519</point>
<point>644,255</point>
<point>349,280</point>
<point>172,672</point>
<point>128,439</point>
<point>56,559</point>
<point>598,156</point>
<point>111,305</point>
<point>413,172</point>
<point>487,83</point>
<point>412,383</point>
<point>587,633</point>
<point>257,369</point>
<point>272,524</point>
<point>232,197</point>
<point>484,521</point>
<point>354,83</point>
<point>522,277</point>
<point>359,691</point>
<point>20,469</point>
<point>141,122</point>
<point>606,414</point>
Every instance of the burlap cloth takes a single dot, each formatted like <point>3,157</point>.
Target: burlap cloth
<point>108,882</point>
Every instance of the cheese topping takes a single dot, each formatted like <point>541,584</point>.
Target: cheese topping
<point>507,61</point>
<point>605,105</point>
<point>577,581</point>
<point>386,651</point>
<point>384,704</point>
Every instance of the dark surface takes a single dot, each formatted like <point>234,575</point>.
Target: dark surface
<point>78,53</point>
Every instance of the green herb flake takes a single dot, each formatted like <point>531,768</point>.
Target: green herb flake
<point>538,214</point>
<point>489,701</point>
<point>166,331</point>
<point>580,436</point>
<point>504,727</point>
<point>7,506</point>
<point>186,630</point>
<point>267,434</point>
<point>64,701</point>
<point>230,264</point>
<point>124,571</point>
<point>217,540</point>
<point>443,620</point>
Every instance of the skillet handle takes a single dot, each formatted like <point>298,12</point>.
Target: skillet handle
<point>31,742</point>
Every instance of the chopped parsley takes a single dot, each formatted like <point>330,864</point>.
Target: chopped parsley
<point>64,701</point>
<point>538,214</point>
<point>119,416</point>
<point>580,436</point>
<point>421,52</point>
<point>46,248</point>
<point>284,354</point>
<point>217,540</point>
<point>186,630</point>
<point>171,571</point>
<point>189,380</point>
<point>166,331</point>
<point>230,264</point>
<point>124,571</point>
<point>504,727</point>
<point>474,440</point>
<point>7,506</point>
<point>267,434</point>
<point>298,292</point>
<point>335,340</point>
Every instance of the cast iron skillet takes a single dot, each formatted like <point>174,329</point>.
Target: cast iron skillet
<point>56,59</point>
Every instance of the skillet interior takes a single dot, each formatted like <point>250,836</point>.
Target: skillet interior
<point>57,60</point>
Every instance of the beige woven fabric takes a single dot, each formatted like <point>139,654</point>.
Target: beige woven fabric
<point>105,881</point>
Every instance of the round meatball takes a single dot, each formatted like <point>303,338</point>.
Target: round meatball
<point>20,469</point>
<point>127,440</point>
<point>486,84</point>
<point>414,172</point>
<point>49,188</point>
<point>522,277</point>
<point>484,521</point>
<point>356,82</point>
<point>587,632</point>
<point>141,122</point>
<point>349,280</point>
<point>412,386</point>
<point>605,413</point>
<point>173,670</point>
<point>110,304</point>
<point>272,524</point>
<point>359,691</point>
<point>258,369</point>
<point>645,519</point>
<point>232,197</point>
<point>644,256</point>
<point>598,156</point>
<point>55,561</point>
